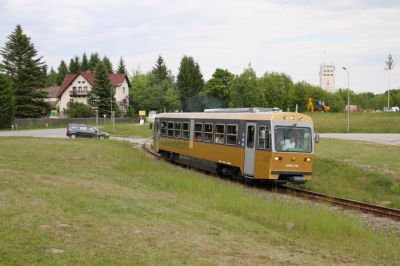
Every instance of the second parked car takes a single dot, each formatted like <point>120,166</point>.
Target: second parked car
<point>85,131</point>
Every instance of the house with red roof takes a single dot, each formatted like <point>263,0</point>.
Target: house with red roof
<point>75,88</point>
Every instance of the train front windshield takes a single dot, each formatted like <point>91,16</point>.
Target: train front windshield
<point>293,139</point>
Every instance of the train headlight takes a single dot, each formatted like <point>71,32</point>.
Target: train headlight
<point>307,159</point>
<point>278,158</point>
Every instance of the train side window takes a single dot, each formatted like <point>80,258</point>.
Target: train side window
<point>263,138</point>
<point>231,134</point>
<point>170,129</point>
<point>163,128</point>
<point>185,130</point>
<point>208,132</point>
<point>178,129</point>
<point>219,133</point>
<point>198,132</point>
<point>250,136</point>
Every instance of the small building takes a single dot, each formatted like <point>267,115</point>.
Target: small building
<point>327,77</point>
<point>75,88</point>
<point>52,95</point>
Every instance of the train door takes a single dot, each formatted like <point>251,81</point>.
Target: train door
<point>250,149</point>
<point>157,132</point>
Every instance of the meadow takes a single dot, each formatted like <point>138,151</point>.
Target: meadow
<point>66,202</point>
<point>330,122</point>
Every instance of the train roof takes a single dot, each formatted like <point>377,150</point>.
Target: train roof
<point>272,115</point>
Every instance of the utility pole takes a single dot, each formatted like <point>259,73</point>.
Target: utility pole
<point>348,99</point>
<point>389,66</point>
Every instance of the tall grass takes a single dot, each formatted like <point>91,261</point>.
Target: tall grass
<point>105,203</point>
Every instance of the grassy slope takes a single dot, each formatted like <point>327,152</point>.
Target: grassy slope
<point>105,203</point>
<point>359,122</point>
<point>358,170</point>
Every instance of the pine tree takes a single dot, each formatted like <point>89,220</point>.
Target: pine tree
<point>107,64</point>
<point>93,61</point>
<point>121,67</point>
<point>62,71</point>
<point>189,81</point>
<point>27,74</point>
<point>7,106</point>
<point>102,93</point>
<point>160,70</point>
<point>74,65</point>
<point>84,63</point>
<point>52,77</point>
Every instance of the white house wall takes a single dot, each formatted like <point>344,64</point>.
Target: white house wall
<point>122,92</point>
<point>80,81</point>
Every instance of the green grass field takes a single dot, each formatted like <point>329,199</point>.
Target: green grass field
<point>128,130</point>
<point>105,203</point>
<point>359,122</point>
<point>358,170</point>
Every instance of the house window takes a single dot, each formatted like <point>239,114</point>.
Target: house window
<point>208,132</point>
<point>185,130</point>
<point>198,132</point>
<point>231,134</point>
<point>83,81</point>
<point>177,130</point>
<point>170,129</point>
<point>219,134</point>
<point>79,81</point>
<point>163,128</point>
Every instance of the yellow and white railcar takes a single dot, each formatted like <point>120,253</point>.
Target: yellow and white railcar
<point>248,143</point>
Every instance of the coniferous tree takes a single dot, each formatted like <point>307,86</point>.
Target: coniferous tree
<point>27,74</point>
<point>121,67</point>
<point>62,71</point>
<point>93,61</point>
<point>84,63</point>
<point>102,94</point>
<point>7,106</point>
<point>189,81</point>
<point>160,70</point>
<point>52,77</point>
<point>74,65</point>
<point>107,64</point>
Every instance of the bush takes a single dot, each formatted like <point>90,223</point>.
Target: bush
<point>78,110</point>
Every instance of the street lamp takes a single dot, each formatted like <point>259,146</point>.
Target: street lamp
<point>348,99</point>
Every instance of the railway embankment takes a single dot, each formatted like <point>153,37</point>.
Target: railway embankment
<point>85,201</point>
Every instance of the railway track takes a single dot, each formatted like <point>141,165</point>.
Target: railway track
<point>344,203</point>
<point>320,197</point>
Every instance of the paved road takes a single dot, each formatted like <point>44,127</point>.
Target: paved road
<point>390,139</point>
<point>56,133</point>
<point>40,133</point>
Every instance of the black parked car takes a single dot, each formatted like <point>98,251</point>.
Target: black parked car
<point>85,131</point>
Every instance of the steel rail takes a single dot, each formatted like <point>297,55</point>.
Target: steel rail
<point>345,203</point>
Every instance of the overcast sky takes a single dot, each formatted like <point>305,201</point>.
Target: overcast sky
<point>283,36</point>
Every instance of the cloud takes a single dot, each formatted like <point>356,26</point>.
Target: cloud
<point>285,36</point>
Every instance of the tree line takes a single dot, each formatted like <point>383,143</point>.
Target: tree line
<point>24,75</point>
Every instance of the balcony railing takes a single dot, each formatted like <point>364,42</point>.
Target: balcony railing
<point>74,93</point>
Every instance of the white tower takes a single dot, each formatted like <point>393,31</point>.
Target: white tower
<point>327,77</point>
